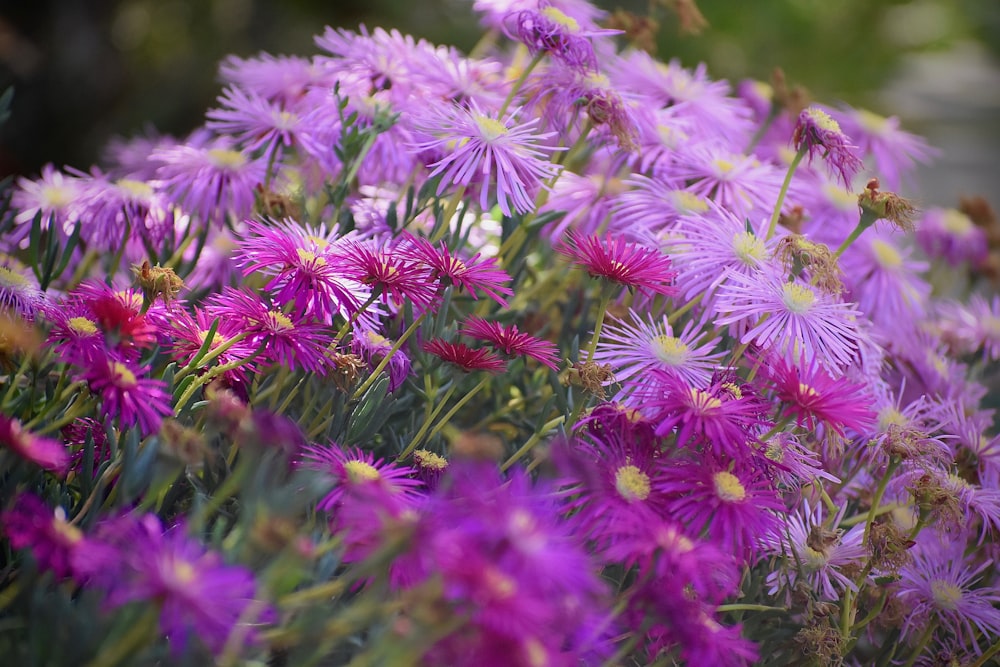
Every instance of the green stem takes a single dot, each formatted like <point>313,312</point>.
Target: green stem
<point>773,225</point>
<point>532,441</point>
<point>349,324</point>
<point>868,219</point>
<point>520,82</point>
<point>140,632</point>
<point>427,424</point>
<point>210,356</point>
<point>747,607</point>
<point>599,324</point>
<point>676,315</point>
<point>449,212</point>
<point>385,360</point>
<point>879,492</point>
<point>211,375</point>
<point>925,639</point>
<point>984,658</point>
<point>458,406</point>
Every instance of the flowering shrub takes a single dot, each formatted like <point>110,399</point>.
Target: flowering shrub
<point>552,355</point>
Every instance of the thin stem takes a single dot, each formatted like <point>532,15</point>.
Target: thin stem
<point>747,607</point>
<point>427,424</point>
<point>385,360</point>
<point>349,324</point>
<point>879,492</point>
<point>599,324</point>
<point>867,220</point>
<point>925,639</point>
<point>140,632</point>
<point>210,356</point>
<point>532,441</point>
<point>458,406</point>
<point>676,315</point>
<point>520,82</point>
<point>449,212</point>
<point>773,225</point>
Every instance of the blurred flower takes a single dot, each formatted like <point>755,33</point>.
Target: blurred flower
<point>20,293</point>
<point>372,347</point>
<point>44,452</point>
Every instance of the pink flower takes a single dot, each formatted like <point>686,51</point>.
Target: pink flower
<point>46,453</point>
<point>632,265</point>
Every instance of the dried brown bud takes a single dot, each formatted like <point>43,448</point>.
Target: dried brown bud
<point>797,253</point>
<point>887,206</point>
<point>478,446</point>
<point>157,282</point>
<point>888,546</point>
<point>640,31</point>
<point>182,443</point>
<point>821,643</point>
<point>346,368</point>
<point>273,534</point>
<point>590,376</point>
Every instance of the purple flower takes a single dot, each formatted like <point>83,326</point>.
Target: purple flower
<point>819,133</point>
<point>940,585</point>
<point>633,265</point>
<point>951,235</point>
<point>476,147</point>
<point>58,197</point>
<point>475,273</point>
<point>372,347</point>
<point>197,592</point>
<point>20,294</point>
<point>553,31</point>
<point>127,392</point>
<point>212,181</point>
<point>258,123</point>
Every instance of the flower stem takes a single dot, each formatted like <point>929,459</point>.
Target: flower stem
<point>458,406</point>
<point>599,324</point>
<point>520,82</point>
<point>427,424</point>
<point>773,225</point>
<point>868,219</point>
<point>532,441</point>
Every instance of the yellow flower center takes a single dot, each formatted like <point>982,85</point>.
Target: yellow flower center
<point>946,595</point>
<point>309,257</point>
<point>872,122</point>
<point>82,326</point>
<point>728,487</point>
<point>807,391</point>
<point>556,16</point>
<point>723,166</point>
<point>890,416</point>
<point>361,471</point>
<point>886,255</point>
<point>814,560</point>
<point>670,350</point>
<point>68,532</point>
<point>224,158</point>
<point>318,242</point>
<point>958,223</point>
<point>763,89</point>
<point>703,400</point>
<point>845,200</point>
<point>285,120</point>
<point>56,196</point>
<point>734,390</point>
<point>774,451</point>
<point>749,249</point>
<point>536,653</point>
<point>490,128</point>
<point>823,120</point>
<point>11,278</point>
<point>502,586</point>
<point>135,189</point>
<point>126,378</point>
<point>631,483</point>
<point>184,572</point>
<point>376,339</point>
<point>281,320</point>
<point>426,459</point>
<point>687,202</point>
<point>797,297</point>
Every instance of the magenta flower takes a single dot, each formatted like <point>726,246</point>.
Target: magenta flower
<point>512,342</point>
<point>635,266</point>
<point>395,277</point>
<point>465,357</point>
<point>474,274</point>
<point>738,507</point>
<point>20,294</point>
<point>54,543</point>
<point>814,397</point>
<point>288,339</point>
<point>372,347</point>
<point>46,453</point>
<point>189,335</point>
<point>476,147</point>
<point>353,467</point>
<point>126,392</point>
<point>197,592</point>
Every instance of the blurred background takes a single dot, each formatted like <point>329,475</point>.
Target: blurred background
<point>88,70</point>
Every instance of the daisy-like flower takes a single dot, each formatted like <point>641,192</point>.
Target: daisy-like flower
<point>653,206</point>
<point>211,181</point>
<point>551,30</point>
<point>188,336</point>
<point>789,317</point>
<point>197,592</point>
<point>894,151</point>
<point>75,332</point>
<point>793,464</point>
<point>284,79</point>
<point>476,273</point>
<point>951,235</point>
<point>635,266</point>
<point>633,350</point>
<point>118,315</point>
<point>372,347</point>
<point>817,132</point>
<point>511,341</point>
<point>506,156</point>
<point>46,453</point>
<point>939,585</point>
<point>816,552</point>
<point>815,397</point>
<point>55,544</point>
<point>305,270</point>
<point>711,416</point>
<point>128,393</point>
<point>20,293</point>
<point>55,196</point>
<point>396,277</point>
<point>258,123</point>
<point>739,507</point>
<point>465,357</point>
<point>354,467</point>
<point>287,339</point>
<point>114,206</point>
<point>609,479</point>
